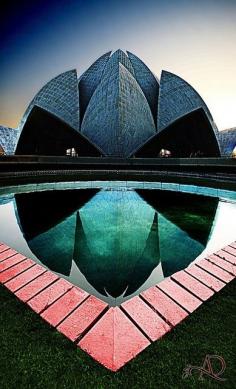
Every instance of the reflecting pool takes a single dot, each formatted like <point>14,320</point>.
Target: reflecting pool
<point>113,243</point>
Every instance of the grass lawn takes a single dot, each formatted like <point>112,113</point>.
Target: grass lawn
<point>33,355</point>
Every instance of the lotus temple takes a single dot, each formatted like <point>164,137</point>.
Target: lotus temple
<point>117,108</point>
<point>117,222</point>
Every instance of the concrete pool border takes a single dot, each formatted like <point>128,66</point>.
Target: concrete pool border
<point>115,335</point>
<point>121,185</point>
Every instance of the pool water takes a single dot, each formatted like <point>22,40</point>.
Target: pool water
<point>114,243</point>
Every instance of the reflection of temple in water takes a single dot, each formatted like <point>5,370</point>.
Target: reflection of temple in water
<point>115,238</point>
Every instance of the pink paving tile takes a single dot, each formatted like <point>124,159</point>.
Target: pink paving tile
<point>114,340</point>
<point>215,270</point>
<point>148,320</point>
<point>64,306</point>
<point>75,324</point>
<point>6,254</point>
<point>35,286</point>
<point>49,295</point>
<point>233,245</point>
<point>194,286</point>
<point>168,309</point>
<point>15,270</point>
<point>205,278</point>
<point>227,266</point>
<point>24,278</point>
<point>230,250</point>
<point>180,295</point>
<point>227,256</point>
<point>9,262</point>
<point>3,247</point>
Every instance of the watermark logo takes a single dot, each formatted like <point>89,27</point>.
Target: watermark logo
<point>207,368</point>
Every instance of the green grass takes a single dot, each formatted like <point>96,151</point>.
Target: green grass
<point>33,355</point>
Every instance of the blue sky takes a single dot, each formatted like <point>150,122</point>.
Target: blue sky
<point>194,39</point>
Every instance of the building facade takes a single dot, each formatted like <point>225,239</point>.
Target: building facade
<point>117,108</point>
<point>228,142</point>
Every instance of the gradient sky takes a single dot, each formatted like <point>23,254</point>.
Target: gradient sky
<point>194,39</point>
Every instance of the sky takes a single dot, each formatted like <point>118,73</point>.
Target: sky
<point>193,39</point>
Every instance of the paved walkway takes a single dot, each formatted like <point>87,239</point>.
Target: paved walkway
<point>113,336</point>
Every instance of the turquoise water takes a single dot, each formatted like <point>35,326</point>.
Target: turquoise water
<point>112,243</point>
